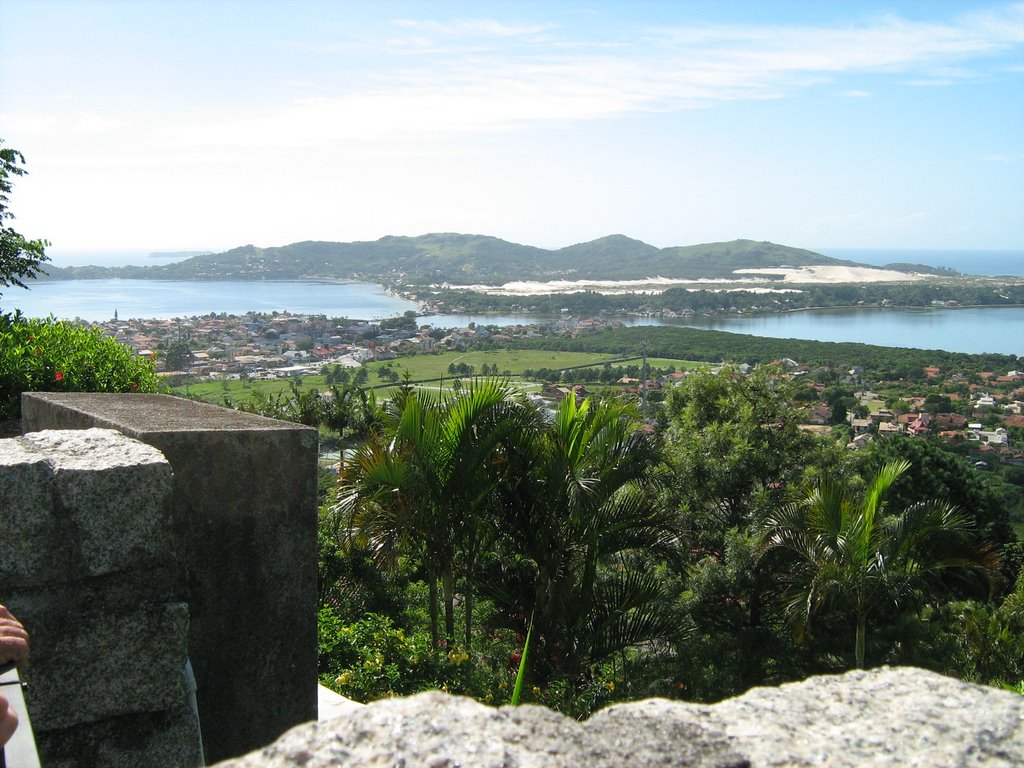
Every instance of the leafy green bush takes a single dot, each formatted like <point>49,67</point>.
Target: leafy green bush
<point>56,356</point>
<point>373,659</point>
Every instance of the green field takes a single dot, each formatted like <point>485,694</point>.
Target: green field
<point>431,366</point>
<point>513,361</point>
<point>216,391</point>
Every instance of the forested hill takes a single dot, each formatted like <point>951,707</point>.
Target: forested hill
<point>463,259</point>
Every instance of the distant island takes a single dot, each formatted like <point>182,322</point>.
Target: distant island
<point>480,260</point>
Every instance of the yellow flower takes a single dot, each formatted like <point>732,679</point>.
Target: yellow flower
<point>457,656</point>
<point>610,685</point>
<point>536,690</point>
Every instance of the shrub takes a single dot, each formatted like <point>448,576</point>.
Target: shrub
<point>373,659</point>
<point>56,356</point>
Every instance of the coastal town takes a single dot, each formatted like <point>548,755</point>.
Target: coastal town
<point>980,411</point>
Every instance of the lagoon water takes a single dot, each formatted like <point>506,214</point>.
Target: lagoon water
<point>96,300</point>
<point>974,330</point>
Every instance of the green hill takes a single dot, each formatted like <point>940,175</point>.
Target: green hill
<point>462,259</point>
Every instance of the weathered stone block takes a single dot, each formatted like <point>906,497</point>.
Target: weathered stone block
<point>116,492</point>
<point>245,518</point>
<point>158,740</point>
<point>108,664</point>
<point>31,542</point>
<point>883,717</point>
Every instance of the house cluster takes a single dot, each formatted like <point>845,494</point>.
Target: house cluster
<point>258,345</point>
<point>983,414</point>
<point>281,345</point>
<point>981,409</point>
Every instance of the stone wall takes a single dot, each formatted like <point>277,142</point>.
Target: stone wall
<point>244,520</point>
<point>87,563</point>
<point>883,717</point>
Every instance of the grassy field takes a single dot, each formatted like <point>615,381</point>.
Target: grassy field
<point>432,366</point>
<point>514,362</point>
<point>216,391</point>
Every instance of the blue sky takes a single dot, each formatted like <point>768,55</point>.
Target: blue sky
<point>181,125</point>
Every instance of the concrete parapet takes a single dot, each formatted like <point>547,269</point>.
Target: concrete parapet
<point>87,563</point>
<point>244,521</point>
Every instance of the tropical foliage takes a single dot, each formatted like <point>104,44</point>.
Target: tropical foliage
<point>552,519</point>
<point>581,526</point>
<point>346,409</point>
<point>57,356</point>
<point>848,549</point>
<point>20,258</point>
<point>424,485</point>
<point>710,549</point>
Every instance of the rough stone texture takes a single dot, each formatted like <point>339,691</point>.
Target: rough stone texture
<point>441,731</point>
<point>883,717</point>
<point>111,664</point>
<point>245,520</point>
<point>109,744</point>
<point>116,491</point>
<point>87,564</point>
<point>26,506</point>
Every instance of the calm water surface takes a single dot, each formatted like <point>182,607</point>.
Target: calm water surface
<point>974,330</point>
<point>96,300</point>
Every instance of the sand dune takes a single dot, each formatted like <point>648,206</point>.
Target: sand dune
<point>758,282</point>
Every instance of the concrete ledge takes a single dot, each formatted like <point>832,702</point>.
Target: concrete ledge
<point>245,519</point>
<point>330,705</point>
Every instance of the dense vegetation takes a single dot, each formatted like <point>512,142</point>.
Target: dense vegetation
<point>685,561</point>
<point>719,346</point>
<point>47,355</point>
<point>56,356</point>
<point>965,292</point>
<point>21,258</point>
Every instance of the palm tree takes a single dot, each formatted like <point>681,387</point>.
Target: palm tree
<point>849,550</point>
<point>421,486</point>
<point>581,501</point>
<point>350,409</point>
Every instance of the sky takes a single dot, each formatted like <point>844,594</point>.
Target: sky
<point>193,125</point>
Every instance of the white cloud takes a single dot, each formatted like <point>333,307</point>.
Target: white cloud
<point>415,125</point>
<point>486,75</point>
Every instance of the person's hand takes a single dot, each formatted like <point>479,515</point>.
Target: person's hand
<point>13,639</point>
<point>8,721</point>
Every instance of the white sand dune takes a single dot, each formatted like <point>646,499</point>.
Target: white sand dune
<point>834,274</point>
<point>758,282</point>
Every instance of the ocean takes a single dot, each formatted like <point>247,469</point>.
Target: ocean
<point>969,262</point>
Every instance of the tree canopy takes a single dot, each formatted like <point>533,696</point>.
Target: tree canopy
<point>851,549</point>
<point>20,257</point>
